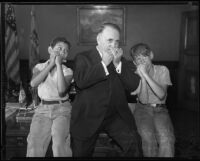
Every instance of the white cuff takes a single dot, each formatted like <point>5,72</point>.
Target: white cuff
<point>119,68</point>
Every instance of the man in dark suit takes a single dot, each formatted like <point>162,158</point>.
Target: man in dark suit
<point>102,76</point>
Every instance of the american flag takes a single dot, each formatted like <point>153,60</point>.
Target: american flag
<point>11,45</point>
<point>34,42</point>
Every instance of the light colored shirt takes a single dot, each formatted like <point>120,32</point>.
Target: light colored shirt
<point>47,90</point>
<point>118,69</point>
<point>162,77</point>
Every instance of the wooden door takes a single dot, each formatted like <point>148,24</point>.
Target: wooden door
<point>188,83</point>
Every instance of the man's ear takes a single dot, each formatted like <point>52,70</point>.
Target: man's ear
<point>50,50</point>
<point>98,38</point>
<point>151,55</point>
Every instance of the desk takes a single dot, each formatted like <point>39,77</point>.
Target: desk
<point>16,134</point>
<point>16,138</point>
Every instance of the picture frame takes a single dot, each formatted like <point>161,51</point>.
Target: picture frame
<point>90,18</point>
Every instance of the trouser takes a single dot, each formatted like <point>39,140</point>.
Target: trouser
<point>156,130</point>
<point>128,139</point>
<point>50,121</point>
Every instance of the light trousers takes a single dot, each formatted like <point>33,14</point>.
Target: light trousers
<point>156,130</point>
<point>50,122</point>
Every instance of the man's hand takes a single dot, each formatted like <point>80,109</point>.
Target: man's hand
<point>107,58</point>
<point>117,54</point>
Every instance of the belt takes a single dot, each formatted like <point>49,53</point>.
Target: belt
<point>154,104</point>
<point>53,102</point>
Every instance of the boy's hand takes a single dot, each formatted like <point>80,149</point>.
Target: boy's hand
<point>141,70</point>
<point>138,72</point>
<point>134,93</point>
<point>53,57</point>
<point>58,60</point>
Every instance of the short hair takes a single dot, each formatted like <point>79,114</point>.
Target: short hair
<point>108,24</point>
<point>140,49</point>
<point>59,39</point>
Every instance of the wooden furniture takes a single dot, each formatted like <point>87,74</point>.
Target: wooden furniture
<point>16,141</point>
<point>188,81</point>
<point>16,134</point>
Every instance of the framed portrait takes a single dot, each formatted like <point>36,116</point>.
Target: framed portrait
<point>90,19</point>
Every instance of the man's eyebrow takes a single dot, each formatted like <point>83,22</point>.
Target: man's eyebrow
<point>110,39</point>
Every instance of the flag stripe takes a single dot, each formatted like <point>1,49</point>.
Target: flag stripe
<point>10,44</point>
<point>11,48</point>
<point>14,71</point>
<point>12,61</point>
<point>13,57</point>
<point>8,35</point>
<point>14,67</point>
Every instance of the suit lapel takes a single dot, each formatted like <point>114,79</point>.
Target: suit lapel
<point>96,56</point>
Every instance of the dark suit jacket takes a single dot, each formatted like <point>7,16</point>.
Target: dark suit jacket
<point>96,91</point>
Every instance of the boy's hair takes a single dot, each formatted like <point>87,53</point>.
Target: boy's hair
<point>108,24</point>
<point>140,49</point>
<point>59,39</point>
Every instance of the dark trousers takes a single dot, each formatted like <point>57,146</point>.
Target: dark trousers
<point>128,139</point>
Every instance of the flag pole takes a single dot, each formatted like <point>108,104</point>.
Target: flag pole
<point>34,41</point>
